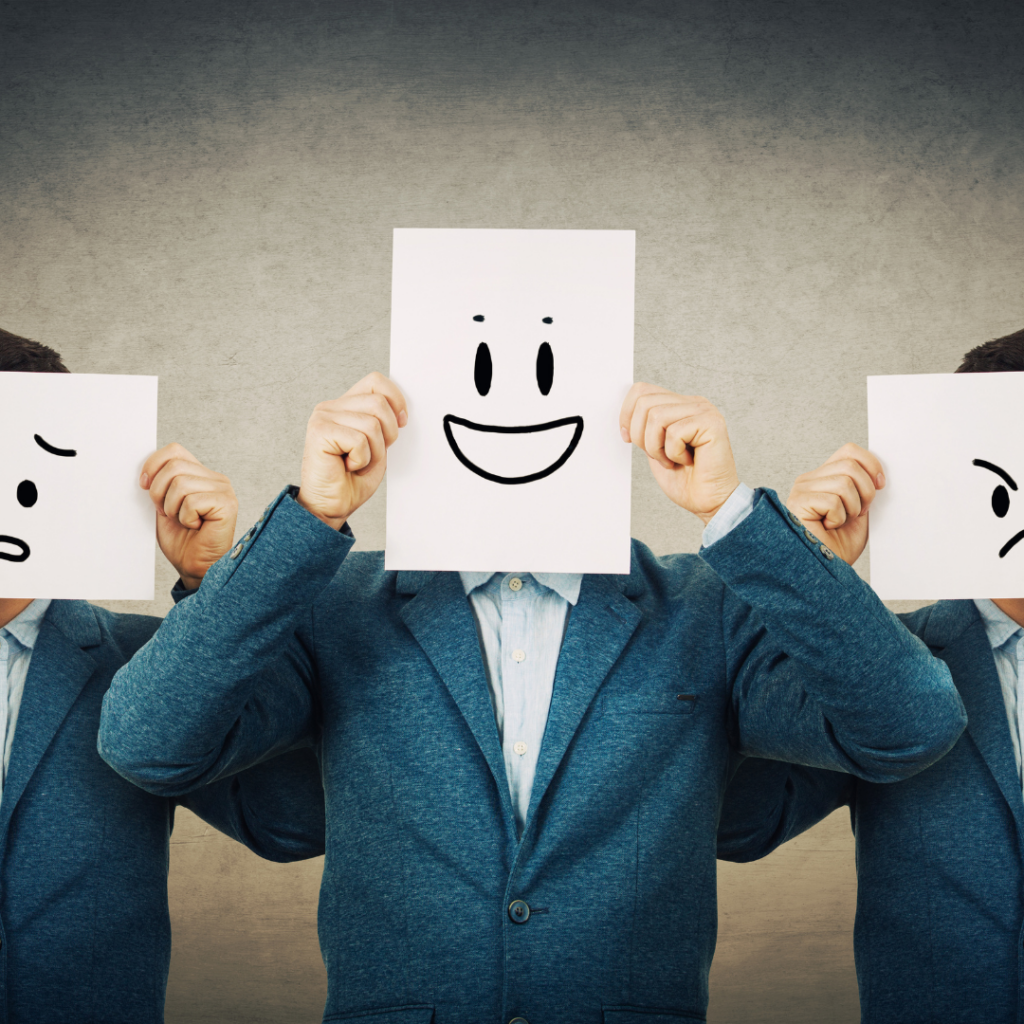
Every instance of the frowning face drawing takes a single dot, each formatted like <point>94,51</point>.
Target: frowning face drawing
<point>514,350</point>
<point>1001,500</point>
<point>14,549</point>
<point>74,522</point>
<point>537,442</point>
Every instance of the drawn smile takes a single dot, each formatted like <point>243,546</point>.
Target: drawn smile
<point>14,542</point>
<point>518,451</point>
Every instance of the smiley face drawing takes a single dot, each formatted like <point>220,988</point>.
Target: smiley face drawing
<point>28,495</point>
<point>1001,500</point>
<point>483,372</point>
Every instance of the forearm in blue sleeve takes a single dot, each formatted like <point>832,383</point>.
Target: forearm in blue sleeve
<point>822,673</point>
<point>275,808</point>
<point>225,681</point>
<point>767,803</point>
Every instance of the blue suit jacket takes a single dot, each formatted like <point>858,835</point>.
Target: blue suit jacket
<point>663,674</point>
<point>83,853</point>
<point>940,857</point>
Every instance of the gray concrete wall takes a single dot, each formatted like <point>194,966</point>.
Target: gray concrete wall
<point>206,191</point>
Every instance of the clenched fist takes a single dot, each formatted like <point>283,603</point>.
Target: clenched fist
<point>346,448</point>
<point>685,439</point>
<point>196,511</point>
<point>832,501</point>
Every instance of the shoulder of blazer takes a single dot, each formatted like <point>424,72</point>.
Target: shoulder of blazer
<point>941,624</point>
<point>88,626</point>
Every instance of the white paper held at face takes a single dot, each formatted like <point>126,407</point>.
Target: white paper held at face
<point>950,522</point>
<point>74,522</point>
<point>514,349</point>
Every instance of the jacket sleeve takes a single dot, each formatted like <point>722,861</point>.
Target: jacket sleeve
<point>276,808</point>
<point>767,803</point>
<point>227,680</point>
<point>821,672</point>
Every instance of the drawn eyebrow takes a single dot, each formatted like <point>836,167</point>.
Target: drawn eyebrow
<point>995,469</point>
<point>69,452</point>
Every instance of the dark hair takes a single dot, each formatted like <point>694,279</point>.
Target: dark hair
<point>21,355</point>
<point>998,354</point>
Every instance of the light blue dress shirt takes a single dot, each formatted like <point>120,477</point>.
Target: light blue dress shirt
<point>1007,640</point>
<point>521,619</point>
<point>17,641</point>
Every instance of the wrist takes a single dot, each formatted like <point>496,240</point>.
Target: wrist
<point>190,582</point>
<point>334,522</point>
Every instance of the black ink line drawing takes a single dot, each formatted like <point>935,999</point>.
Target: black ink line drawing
<point>68,453</point>
<point>1009,544</point>
<point>27,494</point>
<point>534,428</point>
<point>483,369</point>
<point>545,368</point>
<point>1001,500</point>
<point>19,543</point>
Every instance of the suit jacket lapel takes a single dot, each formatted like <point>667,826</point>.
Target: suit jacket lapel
<point>441,620</point>
<point>58,671</point>
<point>599,628</point>
<point>957,628</point>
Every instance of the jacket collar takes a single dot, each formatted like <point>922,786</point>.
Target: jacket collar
<point>60,668</point>
<point>599,627</point>
<point>956,631</point>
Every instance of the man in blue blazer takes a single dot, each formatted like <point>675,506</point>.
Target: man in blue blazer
<point>523,771</point>
<point>939,933</point>
<point>84,927</point>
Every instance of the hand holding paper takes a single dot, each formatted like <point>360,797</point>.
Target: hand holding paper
<point>832,501</point>
<point>686,441</point>
<point>346,448</point>
<point>196,511</point>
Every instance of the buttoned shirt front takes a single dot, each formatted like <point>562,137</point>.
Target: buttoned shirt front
<point>521,620</point>
<point>17,641</point>
<point>1007,640</point>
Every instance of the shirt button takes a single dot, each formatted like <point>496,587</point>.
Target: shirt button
<point>519,911</point>
<point>518,1020</point>
<point>827,552</point>
<point>515,583</point>
<point>519,655</point>
<point>237,551</point>
<point>810,536</point>
<point>520,748</point>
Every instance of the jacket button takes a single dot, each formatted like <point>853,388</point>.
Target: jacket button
<point>827,552</point>
<point>810,536</point>
<point>518,1020</point>
<point>237,551</point>
<point>519,912</point>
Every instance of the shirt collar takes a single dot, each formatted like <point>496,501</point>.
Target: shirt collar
<point>998,625</point>
<point>25,626</point>
<point>565,584</point>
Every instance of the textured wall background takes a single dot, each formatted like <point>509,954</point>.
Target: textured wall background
<point>206,190</point>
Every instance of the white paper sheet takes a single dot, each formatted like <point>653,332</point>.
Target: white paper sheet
<point>947,525</point>
<point>468,487</point>
<point>76,525</point>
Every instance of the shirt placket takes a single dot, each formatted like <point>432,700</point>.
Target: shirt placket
<point>515,671</point>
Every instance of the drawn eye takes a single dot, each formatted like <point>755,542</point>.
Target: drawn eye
<point>1000,501</point>
<point>483,370</point>
<point>545,368</point>
<point>27,494</point>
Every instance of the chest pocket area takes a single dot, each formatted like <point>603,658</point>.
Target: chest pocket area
<point>652,701</point>
<point>666,702</point>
